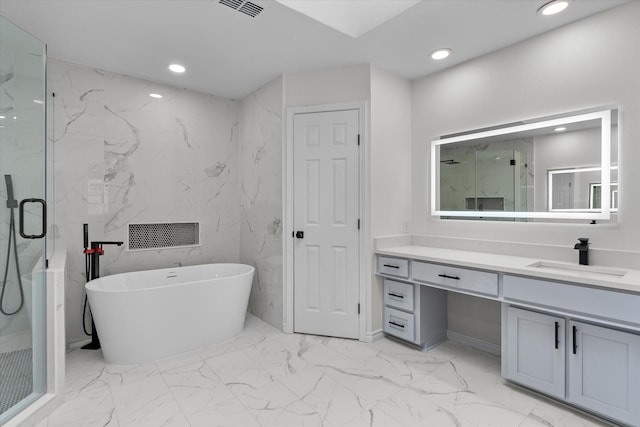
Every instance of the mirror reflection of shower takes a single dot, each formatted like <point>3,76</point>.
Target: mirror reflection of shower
<point>12,204</point>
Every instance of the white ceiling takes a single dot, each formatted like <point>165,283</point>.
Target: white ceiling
<point>230,54</point>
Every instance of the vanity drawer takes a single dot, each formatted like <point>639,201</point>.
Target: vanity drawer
<point>399,324</point>
<point>393,266</point>
<point>581,299</point>
<point>465,279</point>
<point>398,295</point>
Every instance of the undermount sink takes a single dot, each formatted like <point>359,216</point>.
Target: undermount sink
<point>589,269</point>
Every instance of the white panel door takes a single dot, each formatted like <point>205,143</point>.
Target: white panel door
<point>536,351</point>
<point>604,371</point>
<point>326,205</point>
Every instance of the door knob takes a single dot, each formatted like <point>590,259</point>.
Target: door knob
<point>299,234</point>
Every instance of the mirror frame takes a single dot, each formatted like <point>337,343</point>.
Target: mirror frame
<point>602,214</point>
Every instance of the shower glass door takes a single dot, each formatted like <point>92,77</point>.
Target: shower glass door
<point>22,190</point>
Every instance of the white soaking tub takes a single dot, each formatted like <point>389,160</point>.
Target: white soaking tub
<point>147,315</point>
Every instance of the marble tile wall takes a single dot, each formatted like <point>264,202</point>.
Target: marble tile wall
<point>260,165</point>
<point>122,157</point>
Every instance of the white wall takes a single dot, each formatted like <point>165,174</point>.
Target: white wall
<point>592,62</point>
<point>390,182</point>
<point>386,154</point>
<point>162,160</point>
<point>330,86</point>
<point>261,201</point>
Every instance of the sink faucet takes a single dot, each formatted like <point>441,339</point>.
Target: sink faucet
<point>583,247</point>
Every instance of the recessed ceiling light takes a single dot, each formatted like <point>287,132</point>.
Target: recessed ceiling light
<point>2,117</point>
<point>15,118</point>
<point>38,101</point>
<point>177,68</point>
<point>560,129</point>
<point>553,7</point>
<point>155,95</point>
<point>440,54</point>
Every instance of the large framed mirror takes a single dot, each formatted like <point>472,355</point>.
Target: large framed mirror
<point>560,167</point>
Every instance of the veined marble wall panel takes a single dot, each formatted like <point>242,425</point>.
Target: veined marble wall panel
<point>260,162</point>
<point>160,160</point>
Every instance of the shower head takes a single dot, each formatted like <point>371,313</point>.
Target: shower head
<point>11,201</point>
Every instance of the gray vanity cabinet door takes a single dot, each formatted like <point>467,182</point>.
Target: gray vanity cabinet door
<point>536,351</point>
<point>604,371</point>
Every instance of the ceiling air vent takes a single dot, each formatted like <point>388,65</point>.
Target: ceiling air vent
<point>233,4</point>
<point>250,9</point>
<point>245,7</point>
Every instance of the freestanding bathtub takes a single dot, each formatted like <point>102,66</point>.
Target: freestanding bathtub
<point>147,315</point>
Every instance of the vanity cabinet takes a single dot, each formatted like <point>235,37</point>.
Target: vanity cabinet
<point>602,371</point>
<point>577,343</point>
<point>536,351</point>
<point>414,313</point>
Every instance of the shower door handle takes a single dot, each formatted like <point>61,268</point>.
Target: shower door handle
<point>44,219</point>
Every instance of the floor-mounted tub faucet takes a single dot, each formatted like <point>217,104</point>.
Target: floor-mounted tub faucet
<point>583,247</point>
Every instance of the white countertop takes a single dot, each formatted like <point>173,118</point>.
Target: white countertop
<point>583,274</point>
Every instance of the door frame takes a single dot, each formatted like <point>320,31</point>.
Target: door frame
<point>288,225</point>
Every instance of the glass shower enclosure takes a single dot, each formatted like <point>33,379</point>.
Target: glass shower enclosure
<point>22,220</point>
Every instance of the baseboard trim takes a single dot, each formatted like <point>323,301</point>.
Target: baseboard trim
<point>474,342</point>
<point>373,335</point>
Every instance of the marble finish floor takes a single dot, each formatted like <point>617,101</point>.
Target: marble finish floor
<point>267,378</point>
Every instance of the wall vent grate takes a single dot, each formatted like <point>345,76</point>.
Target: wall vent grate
<point>250,9</point>
<point>246,7</point>
<point>163,235</point>
<point>233,4</point>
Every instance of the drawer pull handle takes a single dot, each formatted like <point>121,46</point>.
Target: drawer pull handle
<point>446,276</point>
<point>390,266</point>
<point>398,325</point>
<point>575,343</point>
<point>557,337</point>
<point>396,295</point>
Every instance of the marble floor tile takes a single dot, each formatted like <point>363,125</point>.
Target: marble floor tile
<point>549,413</point>
<point>239,367</point>
<point>335,403</point>
<point>94,399</point>
<point>265,378</point>
<point>228,413</point>
<point>178,361</point>
<point>196,387</point>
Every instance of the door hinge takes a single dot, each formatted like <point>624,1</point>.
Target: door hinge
<point>512,162</point>
<point>358,308</point>
<point>46,263</point>
<point>358,223</point>
<point>358,140</point>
